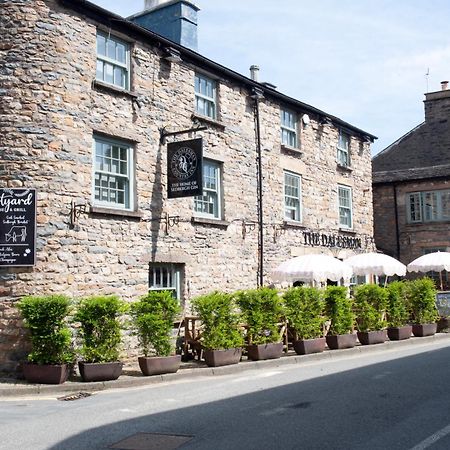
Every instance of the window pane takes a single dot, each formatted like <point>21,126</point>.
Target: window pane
<point>109,73</point>
<point>101,45</point>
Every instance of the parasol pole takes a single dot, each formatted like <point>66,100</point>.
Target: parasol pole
<point>440,278</point>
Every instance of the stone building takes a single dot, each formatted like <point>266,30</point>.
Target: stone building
<point>411,186</point>
<point>89,104</point>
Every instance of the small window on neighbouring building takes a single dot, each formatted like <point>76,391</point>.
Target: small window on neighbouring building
<point>113,174</point>
<point>205,96</point>
<point>165,277</point>
<point>288,128</point>
<point>113,61</point>
<point>292,196</point>
<point>343,149</point>
<point>345,206</point>
<point>429,206</point>
<point>209,204</point>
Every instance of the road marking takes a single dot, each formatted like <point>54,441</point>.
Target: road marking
<point>429,441</point>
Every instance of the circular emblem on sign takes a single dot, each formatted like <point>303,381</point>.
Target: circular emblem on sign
<point>183,163</point>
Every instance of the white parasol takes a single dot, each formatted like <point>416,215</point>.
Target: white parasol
<point>311,268</point>
<point>436,261</point>
<point>375,264</point>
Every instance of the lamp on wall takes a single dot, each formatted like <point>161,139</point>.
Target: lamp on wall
<point>171,54</point>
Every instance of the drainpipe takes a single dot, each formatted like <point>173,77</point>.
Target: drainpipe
<point>397,230</point>
<point>258,95</point>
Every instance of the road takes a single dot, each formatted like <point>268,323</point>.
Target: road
<point>398,399</point>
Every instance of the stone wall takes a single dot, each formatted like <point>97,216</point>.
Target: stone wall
<point>50,108</point>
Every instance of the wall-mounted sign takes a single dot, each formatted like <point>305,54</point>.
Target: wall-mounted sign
<point>330,240</point>
<point>17,227</point>
<point>184,168</point>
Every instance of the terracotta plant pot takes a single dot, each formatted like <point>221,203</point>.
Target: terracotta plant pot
<point>424,329</point>
<point>372,337</point>
<point>215,358</point>
<point>100,371</point>
<point>271,350</point>
<point>339,341</point>
<point>399,333</point>
<point>46,373</point>
<point>308,346</point>
<point>157,365</point>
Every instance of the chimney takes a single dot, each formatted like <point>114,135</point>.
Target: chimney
<point>254,70</point>
<point>173,19</point>
<point>437,104</point>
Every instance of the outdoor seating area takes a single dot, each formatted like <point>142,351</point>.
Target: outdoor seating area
<point>225,328</point>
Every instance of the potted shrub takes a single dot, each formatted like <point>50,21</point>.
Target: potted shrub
<point>100,336</point>
<point>221,336</point>
<point>152,317</point>
<point>305,313</point>
<point>397,312</point>
<point>51,350</point>
<point>421,294</point>
<point>262,312</point>
<point>338,307</point>
<point>370,302</point>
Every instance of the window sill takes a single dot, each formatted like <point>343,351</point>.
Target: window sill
<point>347,230</point>
<point>293,224</point>
<point>196,220</point>
<point>288,148</point>
<point>344,168</point>
<point>115,212</point>
<point>100,85</point>
<point>208,121</point>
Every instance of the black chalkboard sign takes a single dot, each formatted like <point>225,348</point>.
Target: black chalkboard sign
<point>17,227</point>
<point>443,303</point>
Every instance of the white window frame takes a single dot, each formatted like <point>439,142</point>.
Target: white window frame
<point>425,211</point>
<point>287,208</point>
<point>114,62</point>
<point>343,149</point>
<point>128,177</point>
<point>210,193</point>
<point>289,135</point>
<point>201,97</point>
<point>349,208</point>
<point>169,276</point>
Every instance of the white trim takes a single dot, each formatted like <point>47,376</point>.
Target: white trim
<point>348,189</point>
<point>115,62</point>
<point>219,191</point>
<point>129,176</point>
<point>299,198</point>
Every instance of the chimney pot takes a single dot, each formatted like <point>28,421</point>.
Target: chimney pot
<point>254,69</point>
<point>444,85</point>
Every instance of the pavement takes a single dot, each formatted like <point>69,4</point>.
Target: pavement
<point>132,377</point>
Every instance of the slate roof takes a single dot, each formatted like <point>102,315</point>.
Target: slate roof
<point>422,153</point>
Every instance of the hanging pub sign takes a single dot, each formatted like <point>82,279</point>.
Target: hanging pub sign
<point>184,168</point>
<point>17,227</point>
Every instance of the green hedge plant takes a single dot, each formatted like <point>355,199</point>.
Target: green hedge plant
<point>398,309</point>
<point>100,328</point>
<point>220,321</point>
<point>338,307</point>
<point>370,303</point>
<point>262,311</point>
<point>421,294</point>
<point>305,311</point>
<point>45,318</point>
<point>152,318</point>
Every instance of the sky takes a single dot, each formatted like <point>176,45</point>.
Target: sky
<point>368,62</point>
